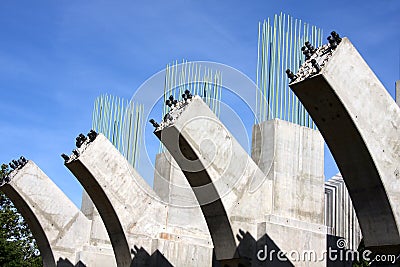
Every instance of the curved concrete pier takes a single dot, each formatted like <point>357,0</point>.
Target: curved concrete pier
<point>360,122</point>
<point>59,227</point>
<point>134,216</point>
<point>240,201</point>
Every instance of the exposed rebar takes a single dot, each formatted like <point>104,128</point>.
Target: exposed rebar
<point>279,49</point>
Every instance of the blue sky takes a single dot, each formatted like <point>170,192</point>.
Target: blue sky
<point>57,56</point>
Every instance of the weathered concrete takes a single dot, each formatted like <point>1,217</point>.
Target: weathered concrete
<point>61,230</point>
<point>134,216</point>
<point>295,156</point>
<point>236,197</point>
<point>99,252</point>
<point>361,124</point>
<point>171,185</point>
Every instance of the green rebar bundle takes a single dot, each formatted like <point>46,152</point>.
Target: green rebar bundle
<point>279,48</point>
<point>197,79</point>
<point>121,121</point>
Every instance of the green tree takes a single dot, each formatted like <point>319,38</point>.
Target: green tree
<point>362,262</point>
<point>17,245</point>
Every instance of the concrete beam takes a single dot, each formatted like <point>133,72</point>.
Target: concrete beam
<point>133,214</point>
<point>220,172</point>
<point>111,184</point>
<point>360,122</point>
<point>59,227</point>
<point>279,204</point>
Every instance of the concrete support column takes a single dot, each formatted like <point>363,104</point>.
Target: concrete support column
<point>59,227</point>
<point>360,123</point>
<point>293,156</point>
<point>136,219</point>
<point>237,197</point>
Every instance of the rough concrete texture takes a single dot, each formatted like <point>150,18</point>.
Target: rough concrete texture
<point>361,124</point>
<point>295,156</point>
<point>237,198</point>
<point>99,252</point>
<point>135,217</point>
<point>173,188</point>
<point>98,233</point>
<point>60,228</point>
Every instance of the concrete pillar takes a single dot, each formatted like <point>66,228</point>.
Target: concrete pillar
<point>134,216</point>
<point>99,252</point>
<point>59,227</point>
<point>360,123</point>
<point>236,196</point>
<point>171,185</point>
<point>294,155</point>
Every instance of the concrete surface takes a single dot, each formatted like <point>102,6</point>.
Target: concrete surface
<point>361,124</point>
<point>135,217</point>
<point>61,230</point>
<point>236,196</point>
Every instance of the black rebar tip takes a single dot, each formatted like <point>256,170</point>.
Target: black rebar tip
<point>184,97</point>
<point>92,135</point>
<point>75,152</point>
<point>154,123</point>
<point>332,42</point>
<point>12,165</point>
<point>168,103</point>
<point>291,75</point>
<point>306,52</point>
<point>175,102</point>
<point>315,65</point>
<point>171,98</point>
<point>24,160</point>
<point>336,36</point>
<point>310,47</point>
<point>65,157</point>
<point>188,94</point>
<point>82,136</point>
<point>16,163</point>
<point>80,140</point>
<point>21,162</point>
<point>167,117</point>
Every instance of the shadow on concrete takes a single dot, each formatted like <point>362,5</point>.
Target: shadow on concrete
<point>143,258</point>
<point>66,263</point>
<point>252,252</point>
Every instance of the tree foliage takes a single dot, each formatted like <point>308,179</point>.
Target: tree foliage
<point>361,262</point>
<point>17,245</point>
